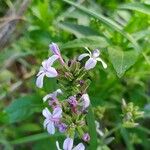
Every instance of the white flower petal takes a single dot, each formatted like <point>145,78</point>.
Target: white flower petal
<point>90,63</point>
<point>86,100</point>
<point>82,56</point>
<point>57,145</point>
<point>68,144</point>
<point>45,98</point>
<point>80,146</point>
<point>39,80</point>
<point>46,113</point>
<point>51,60</point>
<point>57,112</point>
<point>51,127</point>
<point>95,53</point>
<point>46,121</point>
<point>51,72</point>
<point>103,63</point>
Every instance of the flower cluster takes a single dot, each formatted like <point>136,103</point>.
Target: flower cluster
<point>68,106</point>
<point>130,114</point>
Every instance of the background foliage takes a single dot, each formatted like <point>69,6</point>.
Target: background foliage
<point>119,28</point>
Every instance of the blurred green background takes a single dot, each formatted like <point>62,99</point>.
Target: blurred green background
<point>119,28</point>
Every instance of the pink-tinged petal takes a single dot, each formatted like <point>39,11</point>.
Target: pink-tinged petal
<point>51,72</point>
<point>57,145</point>
<point>95,53</point>
<point>55,49</point>
<point>68,144</point>
<point>57,112</point>
<point>90,63</point>
<point>82,56</point>
<point>103,63</point>
<point>51,60</point>
<point>51,127</point>
<point>45,98</point>
<point>46,113</point>
<point>46,121</point>
<point>80,146</point>
<point>39,80</point>
<point>86,100</point>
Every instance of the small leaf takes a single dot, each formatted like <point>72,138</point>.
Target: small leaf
<point>22,108</point>
<point>78,30</point>
<point>122,60</point>
<point>91,41</point>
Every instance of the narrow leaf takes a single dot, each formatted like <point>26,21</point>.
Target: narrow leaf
<point>92,130</point>
<point>78,30</point>
<point>91,41</point>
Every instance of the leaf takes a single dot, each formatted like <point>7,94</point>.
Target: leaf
<point>33,138</point>
<point>137,7</point>
<point>78,30</point>
<point>107,21</point>
<point>91,41</point>
<point>92,129</point>
<point>122,60</point>
<point>22,108</point>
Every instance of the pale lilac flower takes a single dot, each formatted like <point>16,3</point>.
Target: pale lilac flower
<point>85,101</point>
<point>46,70</point>
<point>72,101</point>
<point>68,145</point>
<point>52,96</point>
<point>55,49</point>
<point>62,127</point>
<point>51,119</point>
<point>92,61</point>
<point>86,137</point>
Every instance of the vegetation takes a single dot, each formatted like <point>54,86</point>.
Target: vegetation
<point>119,95</point>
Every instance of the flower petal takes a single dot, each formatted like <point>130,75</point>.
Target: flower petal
<point>47,97</point>
<point>39,80</point>
<point>95,53</point>
<point>51,72</point>
<point>40,71</point>
<point>51,60</point>
<point>57,145</point>
<point>46,113</point>
<point>90,63</point>
<point>46,121</point>
<point>82,56</point>
<point>103,63</point>
<point>57,112</point>
<point>80,146</point>
<point>55,49</point>
<point>86,100</point>
<point>51,127</point>
<point>68,144</point>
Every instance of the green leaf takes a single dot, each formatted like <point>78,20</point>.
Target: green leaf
<point>33,138</point>
<point>92,129</point>
<point>22,108</point>
<point>78,30</point>
<point>137,7</point>
<point>107,21</point>
<point>121,60</point>
<point>91,41</point>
